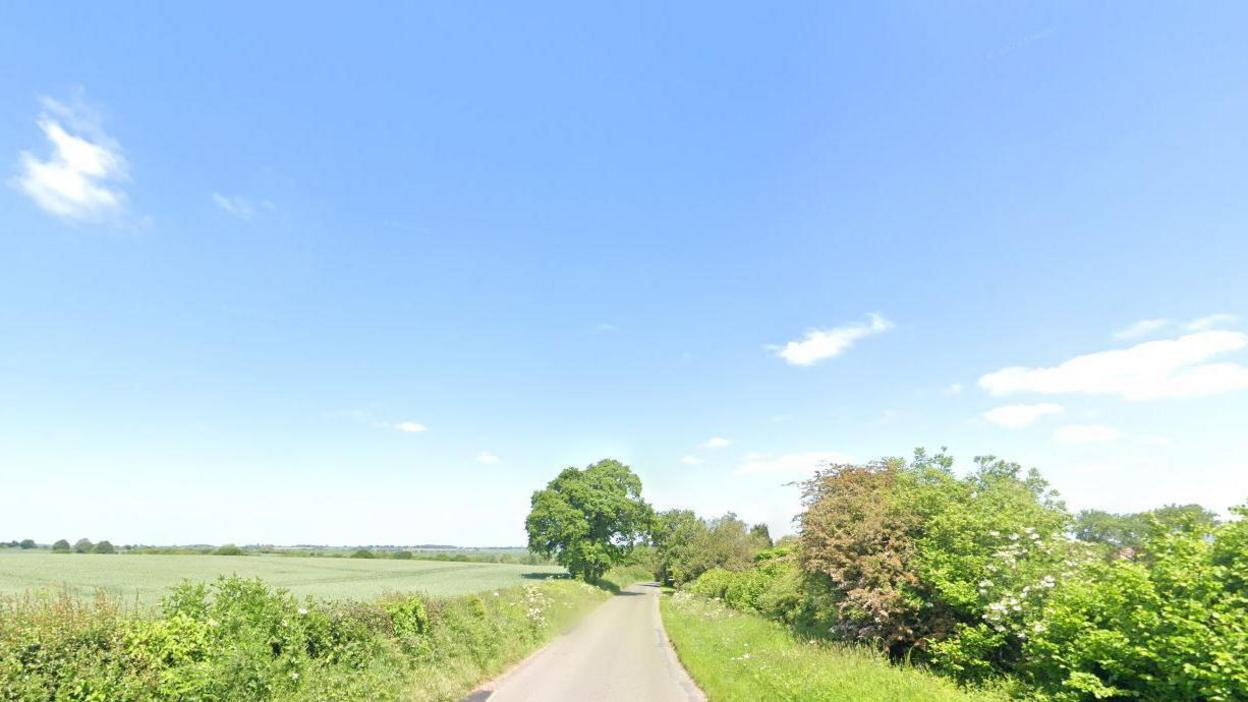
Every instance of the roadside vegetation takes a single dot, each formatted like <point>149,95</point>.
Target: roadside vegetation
<point>740,657</point>
<point>241,640</point>
<point>986,580</point>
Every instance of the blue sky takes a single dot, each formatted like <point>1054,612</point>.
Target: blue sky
<point>372,275</point>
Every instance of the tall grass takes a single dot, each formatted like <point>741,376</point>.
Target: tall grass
<point>739,657</point>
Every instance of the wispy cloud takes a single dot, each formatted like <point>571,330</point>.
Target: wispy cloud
<point>715,442</point>
<point>1019,416</point>
<point>80,180</point>
<point>237,206</point>
<point>1085,434</point>
<point>1143,327</point>
<point>411,427</point>
<point>488,458</point>
<point>691,460</point>
<point>821,344</point>
<point>954,389</point>
<point>1150,370</point>
<point>804,462</point>
<point>1212,321</point>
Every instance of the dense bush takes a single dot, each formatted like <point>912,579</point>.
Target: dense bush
<point>1172,625</point>
<point>239,640</point>
<point>227,550</point>
<point>979,577</point>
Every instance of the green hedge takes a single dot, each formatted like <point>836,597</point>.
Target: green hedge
<point>240,640</point>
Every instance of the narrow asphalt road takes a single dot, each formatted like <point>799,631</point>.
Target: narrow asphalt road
<point>619,653</point>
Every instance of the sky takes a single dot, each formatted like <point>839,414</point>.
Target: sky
<point>373,274</point>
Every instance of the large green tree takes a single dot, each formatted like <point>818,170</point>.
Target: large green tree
<point>589,520</point>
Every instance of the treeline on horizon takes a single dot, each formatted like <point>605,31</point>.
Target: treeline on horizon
<point>425,552</point>
<point>986,578</point>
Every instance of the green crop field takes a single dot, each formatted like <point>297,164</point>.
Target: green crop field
<point>143,579</point>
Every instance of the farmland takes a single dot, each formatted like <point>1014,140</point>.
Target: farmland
<point>143,579</point>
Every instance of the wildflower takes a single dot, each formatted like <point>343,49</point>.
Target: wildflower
<point>303,611</point>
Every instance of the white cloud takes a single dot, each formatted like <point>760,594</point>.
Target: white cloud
<point>1019,416</point>
<point>691,460</point>
<point>715,442</point>
<point>1085,434</point>
<point>236,205</point>
<point>822,344</point>
<point>411,427</point>
<point>1210,321</point>
<point>78,182</point>
<point>1144,327</point>
<point>954,389</point>
<point>488,458</point>
<point>1151,370</point>
<point>790,462</point>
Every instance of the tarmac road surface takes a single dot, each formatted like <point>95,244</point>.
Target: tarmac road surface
<point>619,653</point>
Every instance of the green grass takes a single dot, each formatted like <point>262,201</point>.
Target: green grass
<point>738,657</point>
<point>143,579</point>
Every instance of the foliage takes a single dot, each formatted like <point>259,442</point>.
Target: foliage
<point>1119,531</point>
<point>738,657</point>
<point>978,577</point>
<point>104,547</point>
<point>240,640</point>
<point>83,546</point>
<point>589,520</point>
<point>402,555</point>
<point>913,556</point>
<point>27,544</point>
<point>686,546</point>
<point>61,546</point>
<point>363,553</point>
<point>227,550</point>
<point>1170,626</point>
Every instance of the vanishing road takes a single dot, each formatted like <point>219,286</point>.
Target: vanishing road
<point>619,653</point>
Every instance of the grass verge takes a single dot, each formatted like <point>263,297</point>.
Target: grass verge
<point>739,657</point>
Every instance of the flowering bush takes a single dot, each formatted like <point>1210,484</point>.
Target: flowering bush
<point>1170,626</point>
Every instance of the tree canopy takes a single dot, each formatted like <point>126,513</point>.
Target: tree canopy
<point>589,520</point>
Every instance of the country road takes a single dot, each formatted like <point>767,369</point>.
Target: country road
<point>618,654</point>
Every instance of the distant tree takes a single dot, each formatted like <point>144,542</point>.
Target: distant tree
<point>363,553</point>
<point>227,550</point>
<point>589,520</point>
<point>677,535</point>
<point>104,547</point>
<point>83,546</point>
<point>27,544</point>
<point>403,555</point>
<point>1131,530</point>
<point>762,534</point>
<point>61,546</point>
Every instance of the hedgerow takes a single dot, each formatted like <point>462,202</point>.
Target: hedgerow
<point>980,578</point>
<point>241,640</point>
